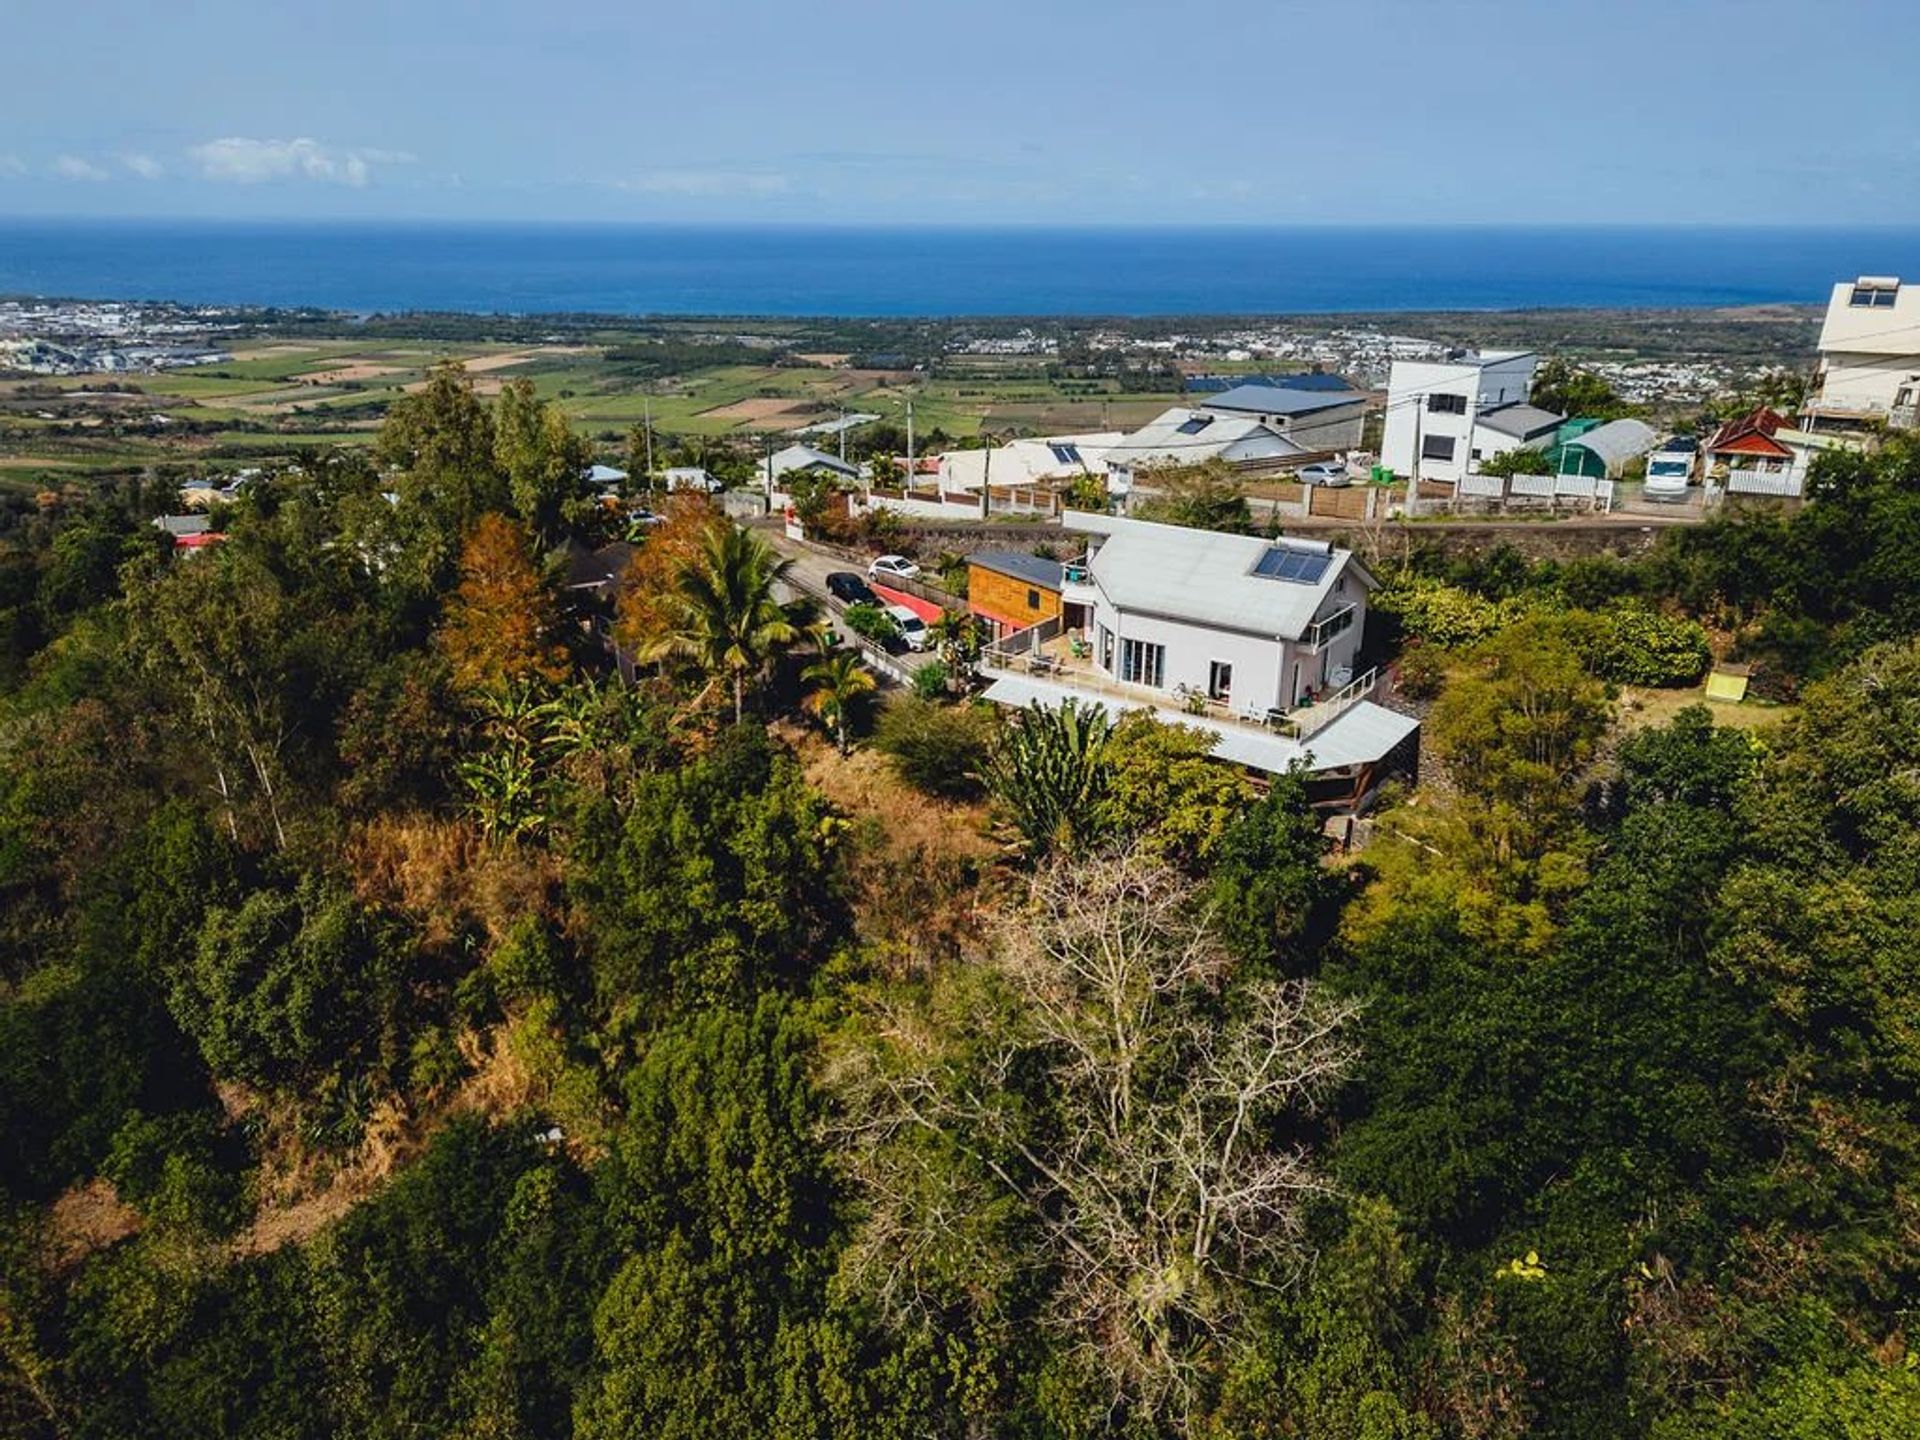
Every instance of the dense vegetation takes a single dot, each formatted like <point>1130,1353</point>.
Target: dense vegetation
<point>408,1027</point>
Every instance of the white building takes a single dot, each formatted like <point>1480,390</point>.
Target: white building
<point>1435,410</point>
<point>1187,436</point>
<point>1319,419</point>
<point>1869,353</point>
<point>802,459</point>
<point>692,477</point>
<point>1253,640</point>
<point>1035,461</point>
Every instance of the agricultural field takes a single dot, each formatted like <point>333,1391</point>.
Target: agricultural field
<point>276,397</point>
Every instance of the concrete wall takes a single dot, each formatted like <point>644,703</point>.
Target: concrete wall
<point>1867,382</point>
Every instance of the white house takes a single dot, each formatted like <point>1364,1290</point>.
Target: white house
<point>1032,461</point>
<point>1436,410</point>
<point>1254,640</point>
<point>692,477</point>
<point>1319,419</point>
<point>802,459</point>
<point>1869,353</point>
<point>1187,436</point>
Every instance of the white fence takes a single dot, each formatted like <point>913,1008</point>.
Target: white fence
<point>1763,482</point>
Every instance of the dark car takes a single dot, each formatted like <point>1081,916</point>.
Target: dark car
<point>849,589</point>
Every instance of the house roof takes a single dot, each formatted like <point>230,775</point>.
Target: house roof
<point>1230,582</point>
<point>1187,436</point>
<point>605,475</point>
<point>1281,399</point>
<point>1031,569</point>
<point>1751,433</point>
<point>1617,441</point>
<point>1302,380</point>
<point>1025,461</point>
<point>181,526</point>
<point>805,457</point>
<point>597,569</point>
<point>1890,326</point>
<point>1520,420</point>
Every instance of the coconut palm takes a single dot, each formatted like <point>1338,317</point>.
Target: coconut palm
<point>725,617</point>
<point>956,636</point>
<point>838,681</point>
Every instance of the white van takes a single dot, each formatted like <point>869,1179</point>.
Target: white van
<point>1670,469</point>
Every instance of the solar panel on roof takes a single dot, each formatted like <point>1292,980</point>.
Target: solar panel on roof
<point>1196,424</point>
<point>1066,454</point>
<point>1302,567</point>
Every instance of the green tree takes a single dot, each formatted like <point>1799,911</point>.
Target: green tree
<point>940,749</point>
<point>839,684</point>
<point>1050,775</point>
<point>1272,897</point>
<point>726,618</point>
<point>544,461</point>
<point>1560,386</point>
<point>1202,497</point>
<point>1165,789</point>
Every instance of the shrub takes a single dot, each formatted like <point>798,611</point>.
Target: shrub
<point>1422,671</point>
<point>939,749</point>
<point>930,681</point>
<point>1436,613</point>
<point>1638,646</point>
<point>871,622</point>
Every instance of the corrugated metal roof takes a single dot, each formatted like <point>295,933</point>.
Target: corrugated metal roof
<point>1033,569</point>
<point>1206,577</point>
<point>1169,438</point>
<point>1280,400</point>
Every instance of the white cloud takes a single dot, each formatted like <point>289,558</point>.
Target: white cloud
<point>248,162</point>
<point>705,182</point>
<point>72,167</point>
<point>12,167</point>
<point>145,166</point>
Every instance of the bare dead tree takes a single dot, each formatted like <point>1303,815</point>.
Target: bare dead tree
<point>1098,1105</point>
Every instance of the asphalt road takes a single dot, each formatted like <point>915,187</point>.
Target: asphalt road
<point>808,576</point>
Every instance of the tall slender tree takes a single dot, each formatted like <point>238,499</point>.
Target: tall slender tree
<point>724,614</point>
<point>839,681</point>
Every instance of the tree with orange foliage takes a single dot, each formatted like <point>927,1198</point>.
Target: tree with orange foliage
<point>646,612</point>
<point>501,623</point>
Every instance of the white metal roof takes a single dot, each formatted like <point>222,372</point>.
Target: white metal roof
<point>1188,436</point>
<point>1362,736</point>
<point>1204,576</point>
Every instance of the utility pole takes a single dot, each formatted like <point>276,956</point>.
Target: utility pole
<point>1419,440</point>
<point>986,483</point>
<point>843,433</point>
<point>647,403</point>
<point>912,479</point>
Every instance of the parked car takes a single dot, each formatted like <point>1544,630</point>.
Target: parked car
<point>892,567</point>
<point>1325,472</point>
<point>849,589</point>
<point>913,630</point>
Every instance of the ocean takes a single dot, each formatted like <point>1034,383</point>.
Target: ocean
<point>689,270</point>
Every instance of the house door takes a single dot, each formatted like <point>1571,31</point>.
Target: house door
<point>1220,681</point>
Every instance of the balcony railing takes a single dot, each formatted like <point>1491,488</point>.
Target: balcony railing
<point>1331,628</point>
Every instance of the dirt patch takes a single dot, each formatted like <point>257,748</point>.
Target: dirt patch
<point>271,352</point>
<point>830,360</point>
<point>759,408</point>
<point>88,1218</point>
<point>358,370</point>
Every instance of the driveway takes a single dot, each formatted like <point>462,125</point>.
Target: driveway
<point>808,576</point>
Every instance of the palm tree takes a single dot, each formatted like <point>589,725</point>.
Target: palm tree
<point>726,617</point>
<point>956,635</point>
<point>838,682</point>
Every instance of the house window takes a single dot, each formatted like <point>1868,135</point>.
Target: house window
<point>1033,599</point>
<point>1143,663</point>
<point>1106,649</point>
<point>1446,404</point>
<point>1476,452</point>
<point>1436,447</point>
<point>1219,680</point>
<point>1874,297</point>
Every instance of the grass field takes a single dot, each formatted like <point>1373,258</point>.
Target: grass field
<point>334,392</point>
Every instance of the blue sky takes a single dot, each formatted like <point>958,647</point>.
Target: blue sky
<point>985,112</point>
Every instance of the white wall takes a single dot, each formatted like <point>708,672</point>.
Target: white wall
<point>1498,382</point>
<point>1191,649</point>
<point>1867,382</point>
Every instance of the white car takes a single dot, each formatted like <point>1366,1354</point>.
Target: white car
<point>892,567</point>
<point>1325,472</point>
<point>913,630</point>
